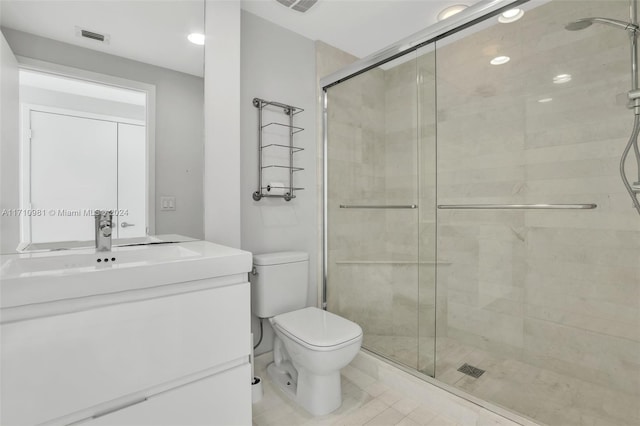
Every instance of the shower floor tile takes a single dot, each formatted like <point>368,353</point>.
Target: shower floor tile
<point>365,401</point>
<point>543,395</point>
<point>540,394</point>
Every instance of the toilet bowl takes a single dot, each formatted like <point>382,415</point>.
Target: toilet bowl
<point>317,344</point>
<point>311,345</point>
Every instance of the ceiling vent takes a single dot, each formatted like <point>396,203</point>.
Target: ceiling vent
<point>298,5</point>
<point>92,35</point>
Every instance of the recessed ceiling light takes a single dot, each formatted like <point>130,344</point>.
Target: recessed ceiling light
<point>545,100</point>
<point>450,11</point>
<point>196,38</point>
<point>562,78</point>
<point>499,60</point>
<point>511,15</point>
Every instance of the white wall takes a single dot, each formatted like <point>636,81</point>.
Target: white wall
<point>278,65</point>
<point>222,123</point>
<point>179,123</point>
<point>9,147</point>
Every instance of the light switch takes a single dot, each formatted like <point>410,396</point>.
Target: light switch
<point>167,203</point>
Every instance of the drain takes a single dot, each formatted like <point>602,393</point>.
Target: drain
<point>470,370</point>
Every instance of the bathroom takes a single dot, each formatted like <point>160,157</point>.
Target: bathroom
<point>450,184</point>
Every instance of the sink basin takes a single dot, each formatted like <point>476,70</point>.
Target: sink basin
<point>60,275</point>
<point>67,263</point>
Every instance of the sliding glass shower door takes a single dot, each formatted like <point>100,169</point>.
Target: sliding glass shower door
<point>478,228</point>
<point>429,306</point>
<point>375,265</point>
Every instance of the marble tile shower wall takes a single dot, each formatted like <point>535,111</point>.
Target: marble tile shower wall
<point>559,290</point>
<point>556,289</point>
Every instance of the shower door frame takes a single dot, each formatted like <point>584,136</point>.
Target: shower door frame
<point>465,19</point>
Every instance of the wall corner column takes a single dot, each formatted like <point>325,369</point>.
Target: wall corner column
<point>222,123</point>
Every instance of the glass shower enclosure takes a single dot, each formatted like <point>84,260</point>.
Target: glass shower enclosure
<point>475,223</point>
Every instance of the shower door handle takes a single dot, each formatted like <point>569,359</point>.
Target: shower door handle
<point>355,206</point>
<point>517,206</point>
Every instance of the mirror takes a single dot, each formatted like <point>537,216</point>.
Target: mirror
<point>102,109</point>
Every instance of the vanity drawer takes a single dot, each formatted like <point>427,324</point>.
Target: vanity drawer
<point>222,399</point>
<point>57,365</point>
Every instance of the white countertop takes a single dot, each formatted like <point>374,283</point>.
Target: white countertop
<point>42,277</point>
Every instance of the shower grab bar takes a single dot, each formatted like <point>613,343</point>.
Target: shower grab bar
<point>353,206</point>
<point>517,206</point>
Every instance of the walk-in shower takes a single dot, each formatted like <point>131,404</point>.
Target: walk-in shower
<point>634,94</point>
<point>474,223</point>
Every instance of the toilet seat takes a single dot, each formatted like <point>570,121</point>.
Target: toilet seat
<point>317,329</point>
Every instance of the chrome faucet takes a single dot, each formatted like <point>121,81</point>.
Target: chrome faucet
<point>103,229</point>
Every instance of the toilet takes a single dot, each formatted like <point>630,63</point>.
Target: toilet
<point>311,345</point>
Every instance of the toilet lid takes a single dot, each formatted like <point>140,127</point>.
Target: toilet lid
<point>318,328</point>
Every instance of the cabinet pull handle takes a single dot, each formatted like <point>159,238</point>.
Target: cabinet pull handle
<point>119,407</point>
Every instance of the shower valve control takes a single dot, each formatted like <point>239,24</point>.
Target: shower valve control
<point>634,94</point>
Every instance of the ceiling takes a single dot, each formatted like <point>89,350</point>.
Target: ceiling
<point>150,31</point>
<point>154,31</point>
<point>359,27</point>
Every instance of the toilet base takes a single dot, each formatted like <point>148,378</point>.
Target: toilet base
<point>283,380</point>
<point>319,395</point>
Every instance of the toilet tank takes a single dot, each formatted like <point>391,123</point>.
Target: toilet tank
<point>279,283</point>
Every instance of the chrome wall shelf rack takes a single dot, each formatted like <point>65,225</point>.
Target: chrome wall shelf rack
<point>287,191</point>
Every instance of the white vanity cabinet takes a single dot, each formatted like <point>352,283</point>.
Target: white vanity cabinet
<point>176,355</point>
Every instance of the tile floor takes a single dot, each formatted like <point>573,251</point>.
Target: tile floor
<point>366,401</point>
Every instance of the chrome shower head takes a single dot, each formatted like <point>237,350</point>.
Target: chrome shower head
<point>583,23</point>
<point>578,25</point>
